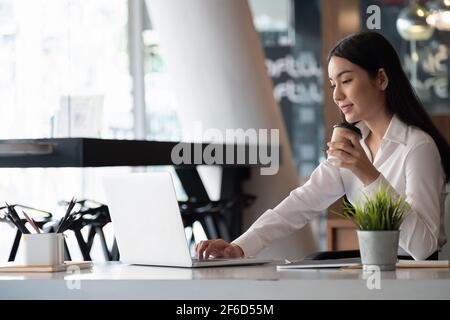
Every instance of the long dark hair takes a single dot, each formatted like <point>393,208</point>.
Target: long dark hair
<point>371,51</point>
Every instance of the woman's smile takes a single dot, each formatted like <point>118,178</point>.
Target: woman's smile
<point>346,108</point>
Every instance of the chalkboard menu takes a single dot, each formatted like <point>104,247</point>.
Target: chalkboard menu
<point>433,57</point>
<point>297,78</point>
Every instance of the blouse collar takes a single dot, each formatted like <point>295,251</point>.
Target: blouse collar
<point>396,131</point>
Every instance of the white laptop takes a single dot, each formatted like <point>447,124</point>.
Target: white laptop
<point>147,222</point>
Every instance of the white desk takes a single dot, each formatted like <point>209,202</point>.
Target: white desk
<point>114,280</point>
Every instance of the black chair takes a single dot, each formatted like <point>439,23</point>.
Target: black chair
<point>94,216</point>
<point>212,215</point>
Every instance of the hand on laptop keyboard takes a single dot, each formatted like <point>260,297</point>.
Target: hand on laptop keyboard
<point>218,248</point>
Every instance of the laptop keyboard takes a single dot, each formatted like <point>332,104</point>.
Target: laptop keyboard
<point>214,259</point>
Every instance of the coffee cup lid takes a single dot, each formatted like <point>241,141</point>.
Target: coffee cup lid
<point>349,126</point>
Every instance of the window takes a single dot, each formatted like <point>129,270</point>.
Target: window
<point>55,53</point>
<point>162,122</point>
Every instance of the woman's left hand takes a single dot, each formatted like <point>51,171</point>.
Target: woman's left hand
<point>353,157</point>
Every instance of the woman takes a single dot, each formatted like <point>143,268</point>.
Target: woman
<point>400,147</point>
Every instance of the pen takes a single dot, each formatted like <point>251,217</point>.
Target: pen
<point>10,218</point>
<point>68,222</point>
<point>66,216</point>
<point>71,218</point>
<point>15,219</point>
<point>31,222</point>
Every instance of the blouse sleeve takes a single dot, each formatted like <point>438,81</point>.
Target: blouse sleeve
<point>419,232</point>
<point>323,188</point>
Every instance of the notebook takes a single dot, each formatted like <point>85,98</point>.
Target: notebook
<point>328,263</point>
<point>415,264</point>
<point>14,267</point>
<point>355,263</point>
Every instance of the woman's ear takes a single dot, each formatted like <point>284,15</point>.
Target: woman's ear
<point>382,79</point>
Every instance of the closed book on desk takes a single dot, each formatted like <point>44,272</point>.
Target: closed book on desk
<point>423,264</point>
<point>405,264</point>
<point>16,268</point>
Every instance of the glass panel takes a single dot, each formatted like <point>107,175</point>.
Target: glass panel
<point>160,101</point>
<point>272,19</point>
<point>430,56</point>
<point>57,56</point>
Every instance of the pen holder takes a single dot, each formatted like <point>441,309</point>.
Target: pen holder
<point>43,249</point>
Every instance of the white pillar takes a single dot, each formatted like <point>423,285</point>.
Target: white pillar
<point>217,65</point>
<point>135,26</point>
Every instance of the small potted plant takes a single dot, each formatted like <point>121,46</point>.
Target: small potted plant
<point>378,221</point>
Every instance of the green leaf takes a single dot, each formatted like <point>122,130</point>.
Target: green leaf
<point>385,211</point>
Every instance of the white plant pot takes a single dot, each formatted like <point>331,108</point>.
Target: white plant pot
<point>378,249</point>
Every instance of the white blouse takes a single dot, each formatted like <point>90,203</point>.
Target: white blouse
<point>409,162</point>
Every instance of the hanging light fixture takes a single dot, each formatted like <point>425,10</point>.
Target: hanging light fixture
<point>412,23</point>
<point>412,26</point>
<point>439,16</point>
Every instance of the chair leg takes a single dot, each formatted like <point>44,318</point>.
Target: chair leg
<point>15,246</point>
<point>67,256</point>
<point>83,247</point>
<point>90,239</point>
<point>191,239</point>
<point>100,233</point>
<point>115,256</point>
<point>216,223</point>
<point>205,228</point>
<point>213,227</point>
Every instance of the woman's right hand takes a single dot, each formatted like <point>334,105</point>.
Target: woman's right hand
<point>218,248</point>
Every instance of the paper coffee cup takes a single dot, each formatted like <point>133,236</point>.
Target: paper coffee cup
<point>43,249</point>
<point>337,136</point>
